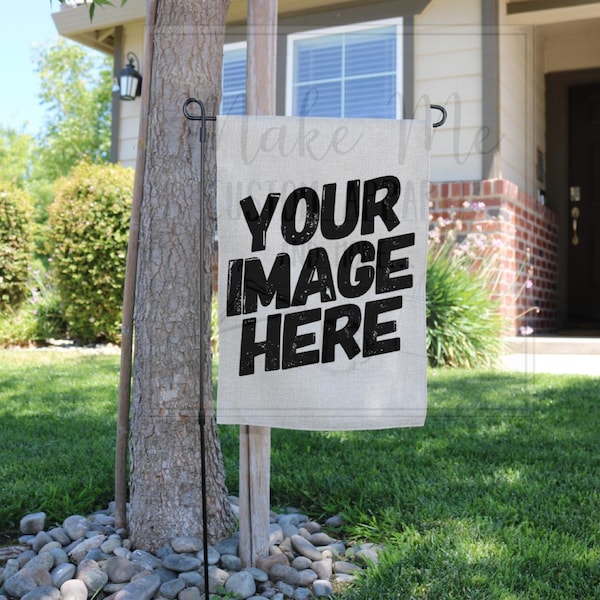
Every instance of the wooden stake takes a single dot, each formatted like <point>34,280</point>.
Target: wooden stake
<point>255,442</point>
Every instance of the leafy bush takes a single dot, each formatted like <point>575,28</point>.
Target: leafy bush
<point>15,245</point>
<point>464,324</point>
<point>89,224</point>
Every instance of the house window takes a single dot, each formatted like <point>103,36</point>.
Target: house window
<point>233,100</point>
<point>346,72</point>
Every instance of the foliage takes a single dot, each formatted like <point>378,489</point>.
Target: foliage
<point>89,225</point>
<point>76,88</point>
<point>15,245</point>
<point>464,324</point>
<point>16,150</point>
<point>40,317</point>
<point>495,497</point>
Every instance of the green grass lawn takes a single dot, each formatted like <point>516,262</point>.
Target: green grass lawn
<point>497,497</point>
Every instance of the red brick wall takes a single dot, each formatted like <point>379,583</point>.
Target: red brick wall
<point>523,233</point>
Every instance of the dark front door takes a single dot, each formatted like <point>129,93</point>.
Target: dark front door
<point>584,205</point>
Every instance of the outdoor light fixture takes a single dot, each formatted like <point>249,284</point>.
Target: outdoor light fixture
<point>130,81</point>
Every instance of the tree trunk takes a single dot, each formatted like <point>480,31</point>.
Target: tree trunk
<point>172,368</point>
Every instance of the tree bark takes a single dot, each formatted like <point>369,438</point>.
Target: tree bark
<point>172,367</point>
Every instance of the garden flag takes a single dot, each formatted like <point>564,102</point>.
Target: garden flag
<point>322,233</point>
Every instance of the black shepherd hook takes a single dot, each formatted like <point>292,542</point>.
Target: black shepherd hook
<point>444,115</point>
<point>202,412</point>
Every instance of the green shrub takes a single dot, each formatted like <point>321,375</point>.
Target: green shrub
<point>15,246</point>
<point>89,224</point>
<point>464,324</point>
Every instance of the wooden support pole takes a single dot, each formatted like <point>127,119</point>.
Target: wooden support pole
<point>255,442</point>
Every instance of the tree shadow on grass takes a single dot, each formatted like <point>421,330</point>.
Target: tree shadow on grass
<point>495,497</point>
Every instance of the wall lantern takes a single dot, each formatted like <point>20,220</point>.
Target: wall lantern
<point>130,80</point>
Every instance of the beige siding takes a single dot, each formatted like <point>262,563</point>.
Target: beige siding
<point>133,41</point>
<point>448,72</point>
<point>521,106</point>
<point>573,50</point>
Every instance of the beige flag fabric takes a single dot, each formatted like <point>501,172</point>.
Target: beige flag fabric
<point>322,237</point>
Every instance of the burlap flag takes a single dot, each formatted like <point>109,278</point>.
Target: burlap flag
<point>322,238</point>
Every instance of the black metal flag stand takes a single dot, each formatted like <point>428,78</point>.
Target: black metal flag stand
<point>202,411</point>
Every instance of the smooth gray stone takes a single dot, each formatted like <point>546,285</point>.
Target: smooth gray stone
<point>192,578</point>
<point>312,527</point>
<point>11,567</point>
<point>181,563</point>
<point>50,546</point>
<point>213,556</point>
<point>322,588</point>
<point>146,559</point>
<point>285,588</point>
<point>241,584</point>
<point>110,545</point>
<point>335,522</point>
<point>140,589</point>
<point>306,577</point>
<point>305,548</point>
<point>170,589</point>
<point>258,574</point>
<point>20,584</point>
<point>228,545</point>
<point>46,592</point>
<point>120,570</point>
<point>289,530</point>
<point>192,593</point>
<point>302,593</point>
<point>24,558</point>
<point>80,551</point>
<point>41,561</point>
<point>60,556</point>
<point>320,538</point>
<point>368,554</point>
<point>284,573</point>
<point>186,543</point>
<point>92,575</point>
<point>32,523</point>
<point>342,566</point>
<point>60,535</point>
<point>40,540</point>
<point>62,573</point>
<point>296,519</point>
<point>230,562</point>
<point>323,568</point>
<point>76,526</point>
<point>301,562</point>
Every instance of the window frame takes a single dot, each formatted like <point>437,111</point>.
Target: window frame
<point>344,29</point>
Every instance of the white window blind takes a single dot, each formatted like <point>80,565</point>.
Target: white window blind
<point>349,72</point>
<point>233,101</point>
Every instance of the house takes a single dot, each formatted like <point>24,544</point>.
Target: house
<point>519,156</point>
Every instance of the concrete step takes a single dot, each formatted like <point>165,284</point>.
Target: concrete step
<point>553,345</point>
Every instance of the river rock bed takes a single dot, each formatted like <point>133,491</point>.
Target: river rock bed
<point>86,557</point>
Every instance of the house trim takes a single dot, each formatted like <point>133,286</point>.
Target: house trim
<point>490,87</point>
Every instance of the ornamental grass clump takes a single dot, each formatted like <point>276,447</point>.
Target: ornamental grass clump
<point>88,233</point>
<point>464,323</point>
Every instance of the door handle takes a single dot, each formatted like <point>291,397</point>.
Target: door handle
<point>575,212</point>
